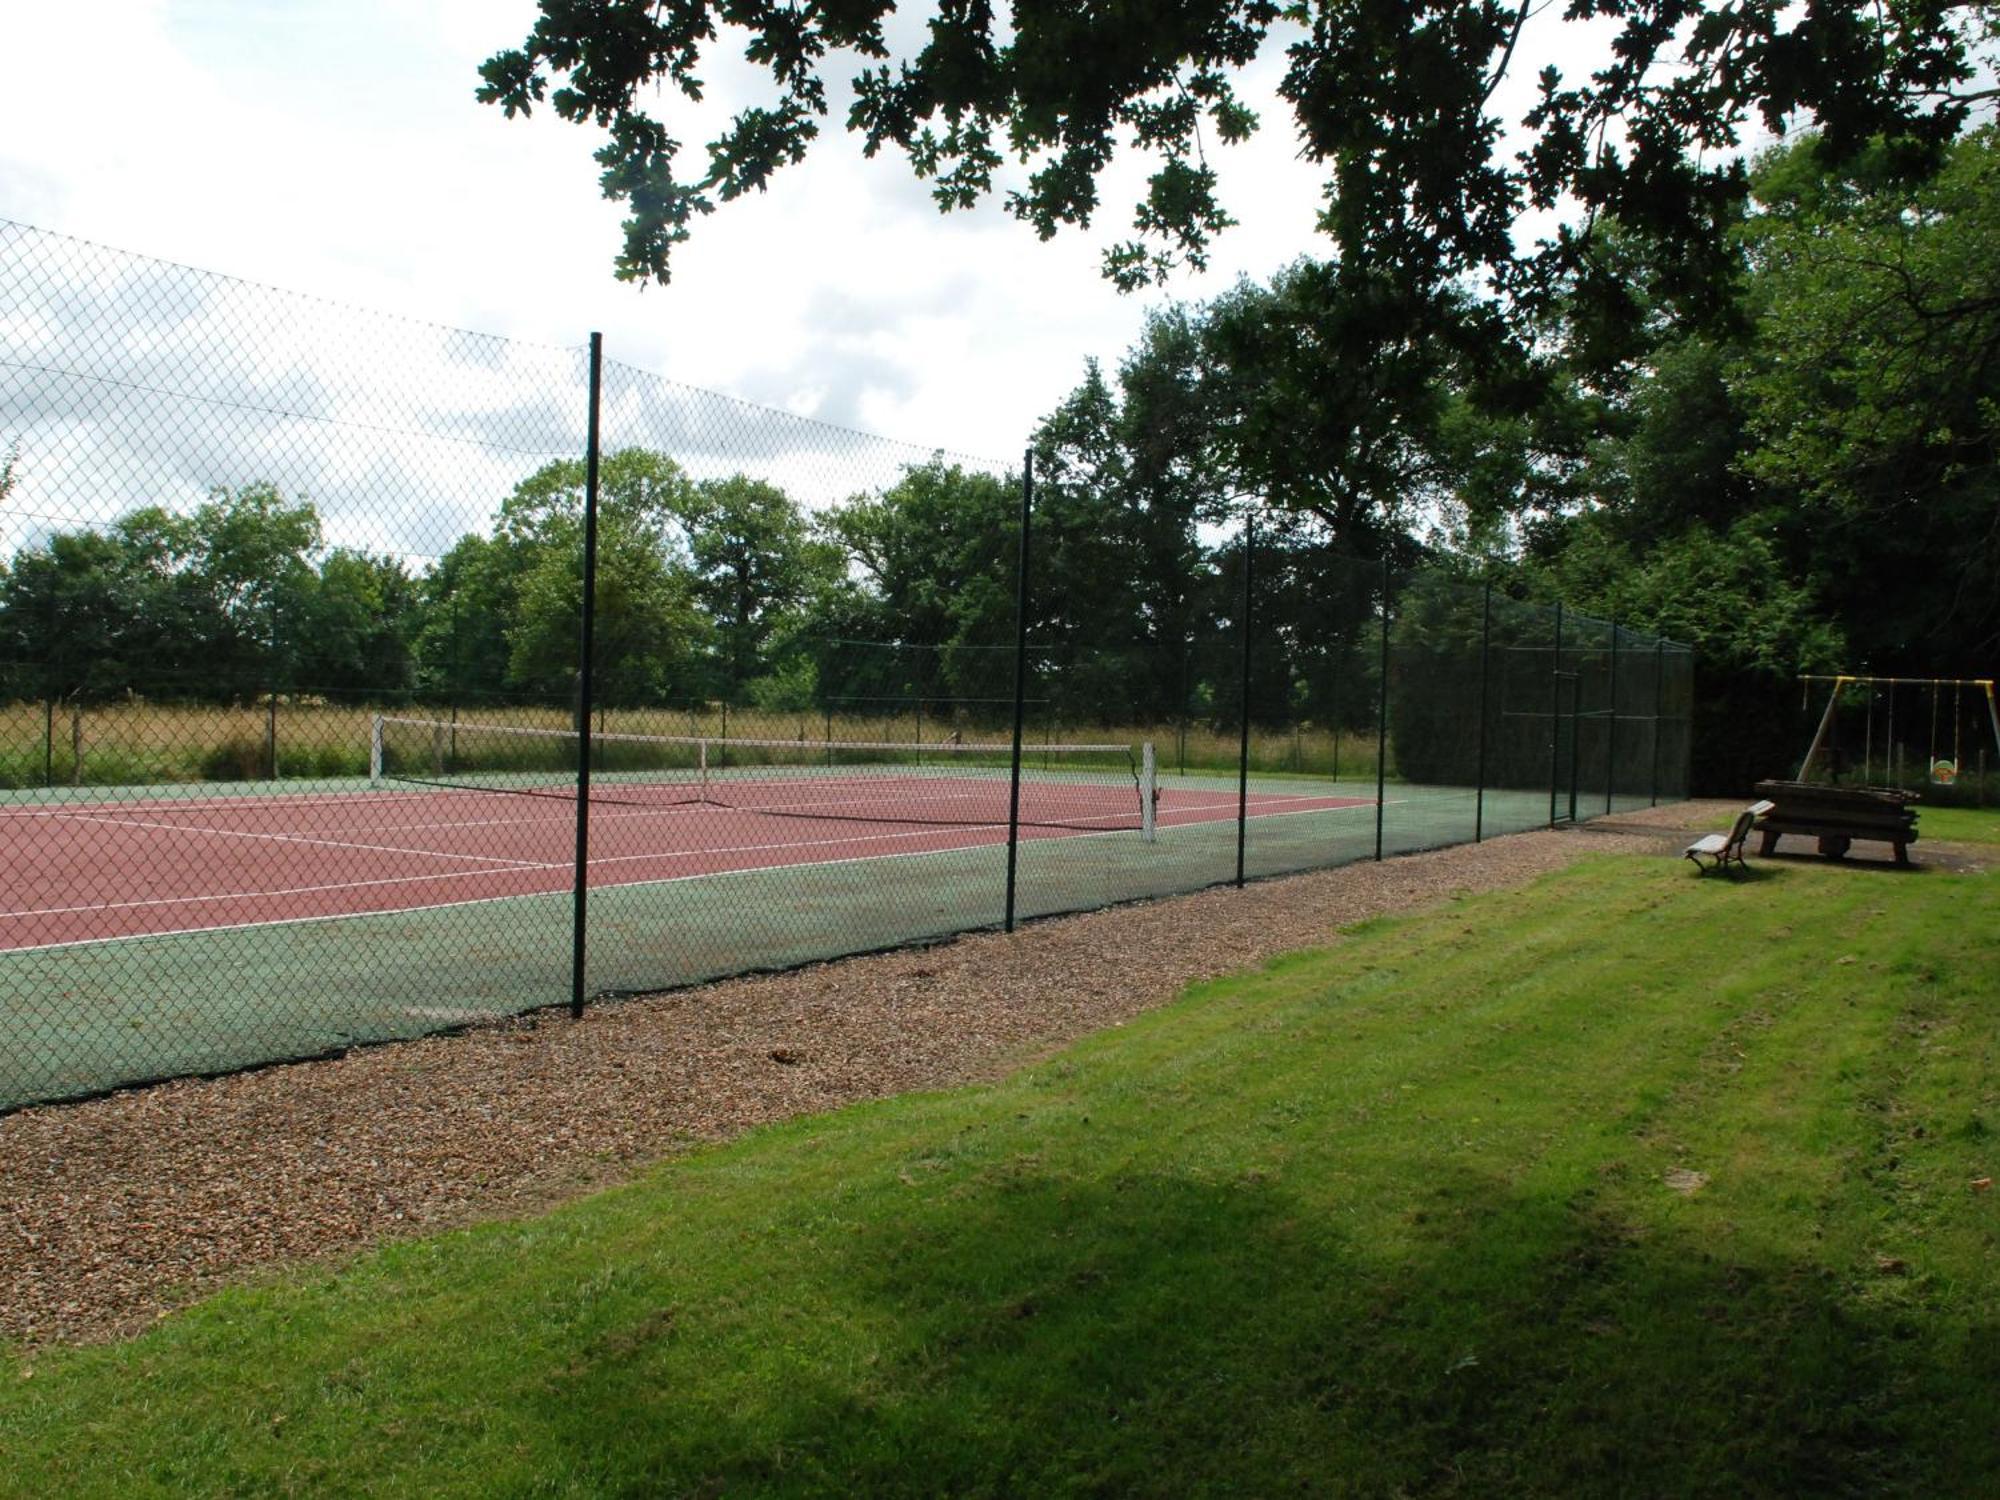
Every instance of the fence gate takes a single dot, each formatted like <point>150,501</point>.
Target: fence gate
<point>1566,698</point>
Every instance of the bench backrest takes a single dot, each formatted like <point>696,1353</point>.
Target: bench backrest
<point>1742,829</point>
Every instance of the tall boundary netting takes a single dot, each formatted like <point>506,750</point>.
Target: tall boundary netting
<point>362,678</point>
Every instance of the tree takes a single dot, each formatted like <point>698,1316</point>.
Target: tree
<point>1394,100</point>
<point>1331,390</point>
<point>1842,443</point>
<point>353,637</point>
<point>931,613</point>
<point>249,566</point>
<point>649,634</point>
<point>756,563</point>
<point>1126,473</point>
<point>69,618</point>
<point>208,604</point>
<point>1871,393</point>
<point>467,603</point>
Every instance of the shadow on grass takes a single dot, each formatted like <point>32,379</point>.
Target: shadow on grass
<point>1168,1335</point>
<point>1747,874</point>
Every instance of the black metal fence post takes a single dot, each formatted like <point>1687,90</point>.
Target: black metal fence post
<point>1243,708</point>
<point>1659,708</point>
<point>585,677</point>
<point>1382,719</point>
<point>1485,666</point>
<point>1611,725</point>
<point>1555,719</point>
<point>1020,681</point>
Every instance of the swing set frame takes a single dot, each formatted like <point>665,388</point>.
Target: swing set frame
<point>1843,680</point>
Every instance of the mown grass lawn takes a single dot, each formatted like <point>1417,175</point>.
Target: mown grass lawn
<point>1624,1183</point>
<point>1960,825</point>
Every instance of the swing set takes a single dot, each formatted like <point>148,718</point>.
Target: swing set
<point>1944,761</point>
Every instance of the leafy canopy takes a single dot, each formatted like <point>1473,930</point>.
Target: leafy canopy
<point>1393,98</point>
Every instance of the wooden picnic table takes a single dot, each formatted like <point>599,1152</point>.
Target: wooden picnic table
<point>1837,816</point>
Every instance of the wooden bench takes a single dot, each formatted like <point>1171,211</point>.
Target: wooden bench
<point>1836,816</point>
<point>1725,850</point>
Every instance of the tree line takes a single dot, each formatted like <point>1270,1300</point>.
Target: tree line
<point>711,591</point>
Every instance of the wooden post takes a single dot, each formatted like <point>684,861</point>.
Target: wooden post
<point>1819,736</point>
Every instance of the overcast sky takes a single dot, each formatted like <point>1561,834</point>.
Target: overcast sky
<point>334,147</point>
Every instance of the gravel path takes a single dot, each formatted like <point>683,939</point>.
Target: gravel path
<point>117,1210</point>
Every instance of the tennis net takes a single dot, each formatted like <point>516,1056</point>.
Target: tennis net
<point>1085,788</point>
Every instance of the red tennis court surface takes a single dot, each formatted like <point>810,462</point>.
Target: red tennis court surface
<point>91,871</point>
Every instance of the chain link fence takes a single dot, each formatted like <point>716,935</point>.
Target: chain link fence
<point>299,746</point>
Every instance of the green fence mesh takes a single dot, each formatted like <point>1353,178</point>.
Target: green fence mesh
<point>292,713</point>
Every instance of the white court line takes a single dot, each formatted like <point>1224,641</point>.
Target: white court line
<point>391,911</point>
<point>298,838</point>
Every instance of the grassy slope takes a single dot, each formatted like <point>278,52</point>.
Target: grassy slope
<point>1394,1215</point>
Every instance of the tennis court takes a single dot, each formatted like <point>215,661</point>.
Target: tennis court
<point>101,870</point>
<point>152,932</point>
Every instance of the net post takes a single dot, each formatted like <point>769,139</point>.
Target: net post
<point>374,749</point>
<point>1149,780</point>
<point>1243,713</point>
<point>585,685</point>
<point>1020,682</point>
<point>1485,670</point>
<point>1382,719</point>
